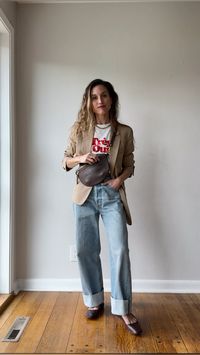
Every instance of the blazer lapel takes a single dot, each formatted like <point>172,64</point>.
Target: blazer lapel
<point>114,150</point>
<point>87,141</point>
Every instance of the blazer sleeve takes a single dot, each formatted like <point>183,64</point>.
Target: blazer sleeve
<point>69,152</point>
<point>128,161</point>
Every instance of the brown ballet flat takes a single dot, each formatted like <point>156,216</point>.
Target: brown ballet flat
<point>95,313</point>
<point>133,327</point>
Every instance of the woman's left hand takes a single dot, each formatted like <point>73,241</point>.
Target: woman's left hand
<point>114,183</point>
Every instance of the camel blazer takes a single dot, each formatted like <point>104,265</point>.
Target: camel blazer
<point>121,158</point>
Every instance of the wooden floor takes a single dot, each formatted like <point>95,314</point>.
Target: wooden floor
<point>3,298</point>
<point>170,322</point>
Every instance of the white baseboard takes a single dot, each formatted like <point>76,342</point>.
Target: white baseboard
<point>145,286</point>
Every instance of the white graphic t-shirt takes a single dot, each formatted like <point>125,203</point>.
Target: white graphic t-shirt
<point>101,139</point>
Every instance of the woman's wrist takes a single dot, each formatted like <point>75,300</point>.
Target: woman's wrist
<point>119,180</point>
<point>72,162</point>
<point>123,177</point>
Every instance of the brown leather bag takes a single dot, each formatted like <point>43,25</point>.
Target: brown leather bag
<point>96,173</point>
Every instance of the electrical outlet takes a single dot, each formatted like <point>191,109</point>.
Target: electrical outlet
<point>73,253</point>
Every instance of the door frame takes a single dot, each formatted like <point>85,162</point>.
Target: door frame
<point>7,110</point>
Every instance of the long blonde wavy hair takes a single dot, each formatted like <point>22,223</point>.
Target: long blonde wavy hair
<point>86,117</point>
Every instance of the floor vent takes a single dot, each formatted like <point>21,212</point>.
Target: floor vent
<point>16,329</point>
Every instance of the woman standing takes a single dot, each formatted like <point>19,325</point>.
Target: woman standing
<point>95,133</point>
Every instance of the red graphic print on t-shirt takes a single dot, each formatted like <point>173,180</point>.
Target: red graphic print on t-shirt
<point>101,145</point>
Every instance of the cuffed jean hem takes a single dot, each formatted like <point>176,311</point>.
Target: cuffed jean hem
<point>93,300</point>
<point>120,307</point>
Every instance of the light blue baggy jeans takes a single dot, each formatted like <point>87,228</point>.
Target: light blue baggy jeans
<point>103,201</point>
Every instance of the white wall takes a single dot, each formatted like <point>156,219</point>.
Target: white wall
<point>151,54</point>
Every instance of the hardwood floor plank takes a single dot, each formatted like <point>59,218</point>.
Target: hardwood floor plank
<point>56,335</point>
<point>27,306</point>
<point>196,301</point>
<point>189,325</point>
<point>149,343</point>
<point>6,301</point>
<point>87,336</point>
<point>113,329</point>
<point>183,323</point>
<point>191,307</point>
<point>8,311</point>
<point>4,298</point>
<point>29,342</point>
<point>164,331</point>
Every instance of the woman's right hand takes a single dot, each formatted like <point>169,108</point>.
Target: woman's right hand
<point>71,162</point>
<point>88,158</point>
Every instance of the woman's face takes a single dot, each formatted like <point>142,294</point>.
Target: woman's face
<point>101,100</point>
